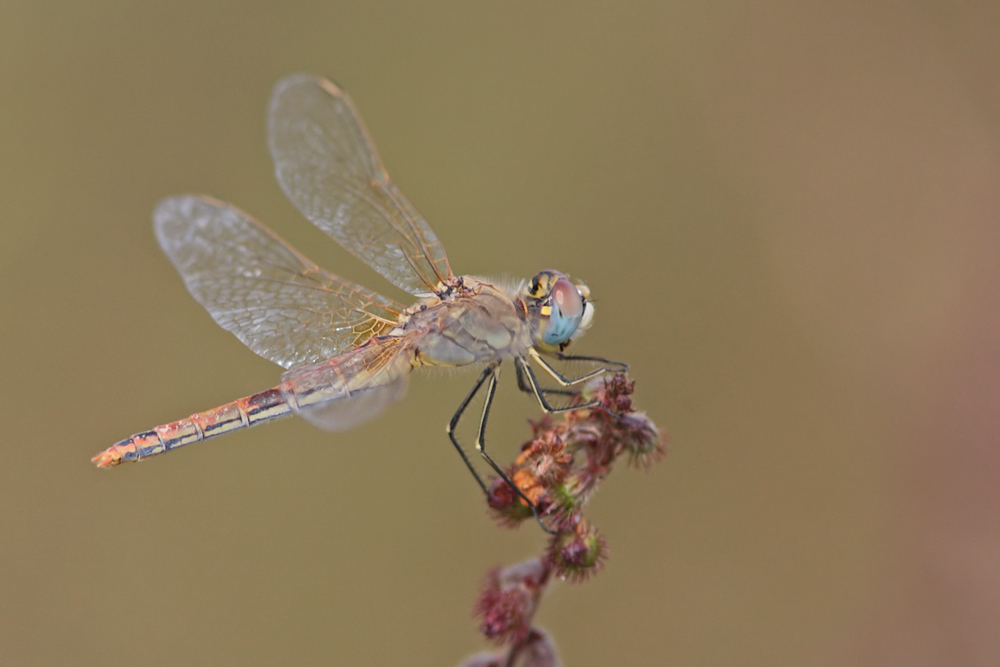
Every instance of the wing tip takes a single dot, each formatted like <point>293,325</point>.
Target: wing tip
<point>174,208</point>
<point>170,205</point>
<point>300,78</point>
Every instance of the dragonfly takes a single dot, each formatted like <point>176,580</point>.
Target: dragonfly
<point>347,350</point>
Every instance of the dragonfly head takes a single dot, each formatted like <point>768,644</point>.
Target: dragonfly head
<point>560,309</point>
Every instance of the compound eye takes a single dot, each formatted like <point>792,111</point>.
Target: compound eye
<point>567,310</point>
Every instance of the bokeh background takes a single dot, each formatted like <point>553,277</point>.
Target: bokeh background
<point>788,213</point>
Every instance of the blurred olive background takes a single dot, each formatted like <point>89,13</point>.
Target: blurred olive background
<point>788,215</point>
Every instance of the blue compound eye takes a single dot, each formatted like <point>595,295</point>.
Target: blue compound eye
<point>566,311</point>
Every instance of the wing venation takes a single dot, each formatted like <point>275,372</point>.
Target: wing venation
<point>328,167</point>
<point>278,303</point>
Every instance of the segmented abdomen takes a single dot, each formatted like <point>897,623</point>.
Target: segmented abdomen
<point>241,413</point>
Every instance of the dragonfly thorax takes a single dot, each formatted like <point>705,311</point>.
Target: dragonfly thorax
<point>467,321</point>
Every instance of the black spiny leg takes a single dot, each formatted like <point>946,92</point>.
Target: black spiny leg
<point>487,372</point>
<point>619,367</point>
<point>525,386</point>
<point>540,395</point>
<point>490,373</point>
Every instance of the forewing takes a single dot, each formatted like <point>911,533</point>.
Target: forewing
<point>281,305</point>
<point>327,165</point>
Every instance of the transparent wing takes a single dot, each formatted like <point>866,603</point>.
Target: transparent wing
<point>341,393</point>
<point>327,165</point>
<point>281,305</point>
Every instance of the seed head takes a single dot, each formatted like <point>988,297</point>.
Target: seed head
<point>508,598</point>
<point>505,505</point>
<point>577,554</point>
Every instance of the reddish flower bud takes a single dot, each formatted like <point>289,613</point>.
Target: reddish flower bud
<point>546,458</point>
<point>507,601</point>
<point>641,440</point>
<point>616,394</point>
<point>507,507</point>
<point>505,614</point>
<point>576,555</point>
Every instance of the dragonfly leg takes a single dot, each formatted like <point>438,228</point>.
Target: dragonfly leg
<point>490,374</point>
<point>458,415</point>
<point>540,393</point>
<point>525,386</point>
<point>618,367</point>
<point>491,389</point>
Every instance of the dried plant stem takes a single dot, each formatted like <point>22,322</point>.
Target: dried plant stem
<point>558,470</point>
